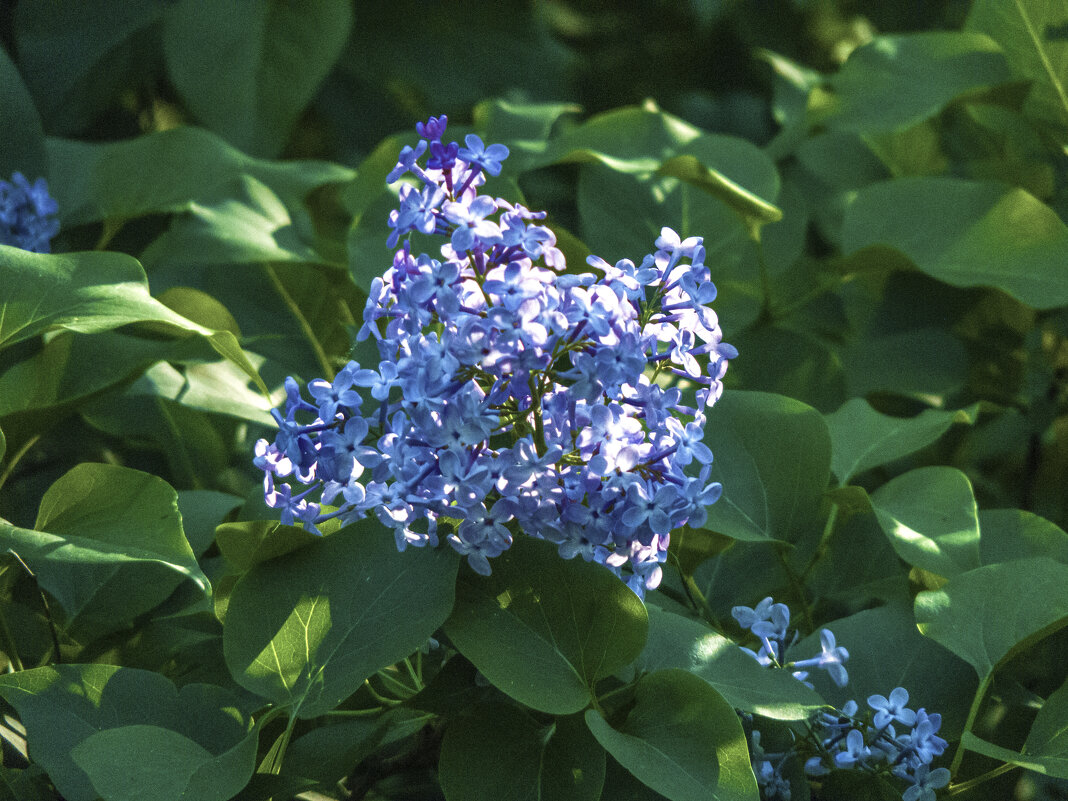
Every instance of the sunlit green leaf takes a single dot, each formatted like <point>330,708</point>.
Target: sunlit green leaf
<point>992,612</point>
<point>893,82</point>
<point>108,545</point>
<point>931,518</point>
<point>306,630</point>
<point>1031,32</point>
<point>988,234</point>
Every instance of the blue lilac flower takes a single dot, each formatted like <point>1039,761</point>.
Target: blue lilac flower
<point>27,212</point>
<point>510,397</point>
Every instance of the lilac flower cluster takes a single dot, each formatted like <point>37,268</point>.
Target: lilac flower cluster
<point>510,396</point>
<point>26,214</point>
<point>843,739</point>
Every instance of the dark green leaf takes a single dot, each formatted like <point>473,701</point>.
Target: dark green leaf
<point>202,511</point>
<point>988,234</point>
<point>67,707</point>
<point>276,57</point>
<point>894,82</point>
<point>97,40</point>
<point>308,629</point>
<point>931,518</point>
<point>682,739</point>
<point>498,751</point>
<point>992,612</point>
<point>862,438</point>
<point>108,546</point>
<point>544,629</point>
<point>1051,766</point>
<point>886,651</point>
<point>1048,738</point>
<point>773,456</point>
<point>22,140</point>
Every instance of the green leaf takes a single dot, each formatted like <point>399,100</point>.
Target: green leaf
<point>499,751</point>
<point>83,724</point>
<point>3,446</point>
<point>632,139</point>
<point>773,457</point>
<point>108,545</point>
<point>931,518</point>
<point>307,630</point>
<point>544,629</point>
<point>753,209</point>
<point>276,57</point>
<point>163,171</point>
<point>1048,738</point>
<point>887,651</point>
<point>681,739</point>
<point>1009,534</point>
<point>988,234</point>
<point>523,127</point>
<point>862,438</point>
<point>88,293</point>
<point>239,222</point>
<point>894,82</point>
<point>168,766</point>
<point>85,292</point>
<point>1031,32</point>
<point>679,642</point>
<point>988,614</point>
<point>202,510</point>
<point>249,542</point>
<point>70,369</point>
<point>22,141</point>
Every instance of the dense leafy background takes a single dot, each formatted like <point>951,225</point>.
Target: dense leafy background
<point>883,190</point>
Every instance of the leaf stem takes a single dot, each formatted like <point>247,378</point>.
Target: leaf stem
<point>44,603</point>
<point>972,714</point>
<point>378,697</point>
<point>825,538</point>
<point>302,321</point>
<point>954,789</point>
<point>700,601</point>
<point>16,458</point>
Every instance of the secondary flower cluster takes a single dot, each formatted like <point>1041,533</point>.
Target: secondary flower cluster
<point>511,396</point>
<point>26,214</point>
<point>843,740</point>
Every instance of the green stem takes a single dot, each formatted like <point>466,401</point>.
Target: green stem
<point>990,774</point>
<point>14,460</point>
<point>418,682</point>
<point>825,538</point>
<point>378,697</point>
<point>972,714</point>
<point>396,685</point>
<point>276,762</point>
<point>44,603</point>
<point>798,588</point>
<point>702,603</point>
<point>302,321</point>
<point>7,643</point>
<point>355,713</point>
